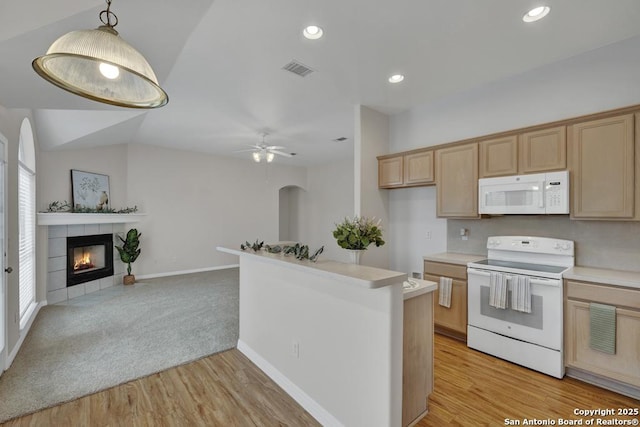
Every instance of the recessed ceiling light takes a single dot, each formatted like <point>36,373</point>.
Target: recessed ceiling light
<point>396,78</point>
<point>313,32</point>
<point>536,14</point>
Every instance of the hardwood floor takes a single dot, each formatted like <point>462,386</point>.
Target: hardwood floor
<point>226,389</point>
<point>474,389</point>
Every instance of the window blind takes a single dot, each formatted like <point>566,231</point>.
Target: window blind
<point>27,238</point>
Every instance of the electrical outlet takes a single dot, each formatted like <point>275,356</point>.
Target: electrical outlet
<point>427,235</point>
<point>295,349</point>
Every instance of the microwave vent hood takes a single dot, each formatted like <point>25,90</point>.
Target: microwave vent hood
<point>541,193</point>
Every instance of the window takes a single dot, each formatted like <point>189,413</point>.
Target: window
<point>27,223</point>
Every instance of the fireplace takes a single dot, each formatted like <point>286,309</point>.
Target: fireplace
<point>89,258</point>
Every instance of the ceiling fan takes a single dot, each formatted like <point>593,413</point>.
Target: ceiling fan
<point>266,152</point>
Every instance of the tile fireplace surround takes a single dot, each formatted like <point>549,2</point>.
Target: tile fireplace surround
<point>57,290</point>
<point>63,225</point>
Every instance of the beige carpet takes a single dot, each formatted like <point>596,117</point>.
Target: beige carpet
<point>104,340</point>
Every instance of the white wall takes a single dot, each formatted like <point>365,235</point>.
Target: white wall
<point>54,176</point>
<point>196,202</point>
<point>327,200</point>
<point>349,338</point>
<point>371,140</point>
<point>600,80</point>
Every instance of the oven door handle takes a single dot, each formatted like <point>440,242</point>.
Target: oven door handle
<point>534,280</point>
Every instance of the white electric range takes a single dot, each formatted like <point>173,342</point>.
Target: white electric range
<point>532,339</point>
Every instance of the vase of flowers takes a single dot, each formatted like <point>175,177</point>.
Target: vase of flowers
<point>357,234</point>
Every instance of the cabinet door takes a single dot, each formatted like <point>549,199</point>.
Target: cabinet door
<point>602,164</point>
<point>542,150</point>
<point>499,157</point>
<point>390,172</point>
<point>455,317</point>
<point>457,181</point>
<point>418,168</point>
<point>417,356</point>
<point>623,366</point>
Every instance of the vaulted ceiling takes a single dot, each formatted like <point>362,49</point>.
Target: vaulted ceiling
<point>221,63</point>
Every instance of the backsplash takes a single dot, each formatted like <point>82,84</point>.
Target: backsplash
<point>601,244</point>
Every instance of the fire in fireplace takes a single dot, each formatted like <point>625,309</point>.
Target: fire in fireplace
<point>89,258</point>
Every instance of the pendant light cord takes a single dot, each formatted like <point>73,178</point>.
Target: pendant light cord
<point>109,15</point>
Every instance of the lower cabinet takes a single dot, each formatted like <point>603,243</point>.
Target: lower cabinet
<point>417,357</point>
<point>624,365</point>
<point>452,320</point>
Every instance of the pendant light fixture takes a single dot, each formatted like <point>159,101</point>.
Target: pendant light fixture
<point>99,65</point>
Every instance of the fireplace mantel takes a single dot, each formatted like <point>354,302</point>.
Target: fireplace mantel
<point>67,218</point>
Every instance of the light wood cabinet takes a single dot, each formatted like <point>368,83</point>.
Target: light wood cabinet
<point>408,170</point>
<point>603,169</point>
<point>390,172</point>
<point>542,150</point>
<point>418,168</point>
<point>624,365</point>
<point>450,321</point>
<point>499,157</point>
<point>457,181</point>
<point>417,357</point>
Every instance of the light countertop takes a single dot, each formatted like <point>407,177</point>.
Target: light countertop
<point>629,279</point>
<point>454,258</point>
<point>424,287</point>
<point>362,275</point>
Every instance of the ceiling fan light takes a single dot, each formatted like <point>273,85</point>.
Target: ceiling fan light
<point>256,156</point>
<point>99,65</point>
<point>270,157</point>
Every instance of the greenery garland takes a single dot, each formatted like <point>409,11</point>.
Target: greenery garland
<point>65,206</point>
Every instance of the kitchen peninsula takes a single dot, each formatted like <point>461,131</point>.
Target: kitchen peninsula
<point>329,333</point>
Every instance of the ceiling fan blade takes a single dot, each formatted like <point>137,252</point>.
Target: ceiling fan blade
<point>244,151</point>
<point>280,153</point>
<point>274,147</point>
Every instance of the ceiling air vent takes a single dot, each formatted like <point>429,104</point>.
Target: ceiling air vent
<point>297,68</point>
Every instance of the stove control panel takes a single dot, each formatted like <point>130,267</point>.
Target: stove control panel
<point>543,245</point>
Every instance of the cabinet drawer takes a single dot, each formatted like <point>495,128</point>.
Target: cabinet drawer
<point>620,297</point>
<point>446,270</point>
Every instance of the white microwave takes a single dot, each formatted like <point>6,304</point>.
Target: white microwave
<point>540,193</point>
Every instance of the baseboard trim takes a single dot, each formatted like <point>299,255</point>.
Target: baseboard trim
<point>196,270</point>
<point>23,334</point>
<point>606,383</point>
<point>310,405</point>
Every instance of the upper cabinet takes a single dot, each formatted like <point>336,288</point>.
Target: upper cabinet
<point>418,168</point>
<point>603,167</point>
<point>457,181</point>
<point>390,172</point>
<point>413,169</point>
<point>499,157</point>
<point>602,152</point>
<point>542,150</point>
<point>530,152</point>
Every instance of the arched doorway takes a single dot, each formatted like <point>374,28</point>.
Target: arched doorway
<point>291,217</point>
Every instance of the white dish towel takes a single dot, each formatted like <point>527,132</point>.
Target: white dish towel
<point>498,290</point>
<point>521,293</point>
<point>444,292</point>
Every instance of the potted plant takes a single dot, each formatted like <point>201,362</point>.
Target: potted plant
<point>357,234</point>
<point>129,252</point>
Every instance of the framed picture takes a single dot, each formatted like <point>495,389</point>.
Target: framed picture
<point>89,190</point>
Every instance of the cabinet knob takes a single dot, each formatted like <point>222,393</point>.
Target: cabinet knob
<point>8,270</point>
